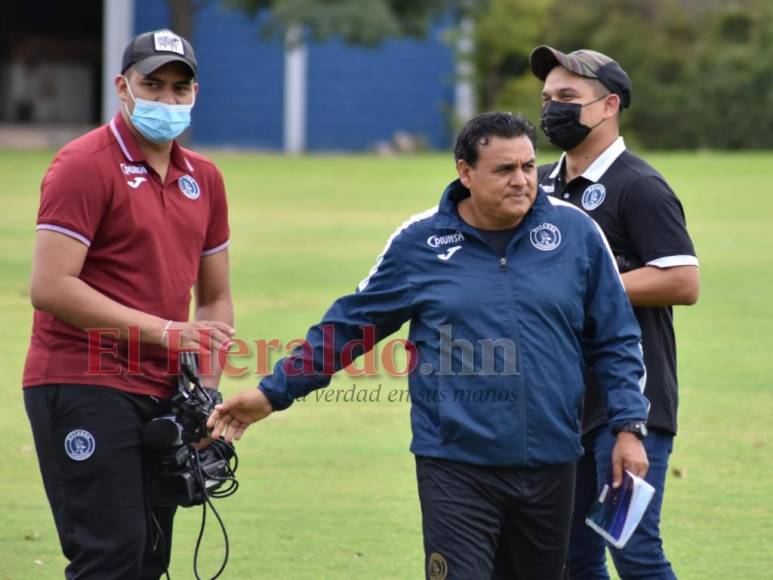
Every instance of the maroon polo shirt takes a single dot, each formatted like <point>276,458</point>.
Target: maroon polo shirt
<point>145,242</point>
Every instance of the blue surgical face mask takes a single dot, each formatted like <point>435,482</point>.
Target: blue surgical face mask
<point>159,122</point>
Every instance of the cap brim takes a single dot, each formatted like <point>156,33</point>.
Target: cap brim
<point>152,63</point>
<point>544,59</point>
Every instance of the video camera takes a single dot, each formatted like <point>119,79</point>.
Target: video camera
<point>176,472</point>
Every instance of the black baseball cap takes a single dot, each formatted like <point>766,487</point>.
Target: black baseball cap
<point>585,63</point>
<point>151,50</point>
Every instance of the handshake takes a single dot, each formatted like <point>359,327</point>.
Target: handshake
<point>232,417</point>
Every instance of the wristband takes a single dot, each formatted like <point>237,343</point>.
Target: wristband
<point>164,334</point>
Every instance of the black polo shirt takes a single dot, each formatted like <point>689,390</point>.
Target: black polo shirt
<point>644,223</point>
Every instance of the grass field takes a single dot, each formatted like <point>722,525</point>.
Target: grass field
<point>328,489</point>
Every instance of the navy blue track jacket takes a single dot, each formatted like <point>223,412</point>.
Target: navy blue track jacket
<point>501,342</point>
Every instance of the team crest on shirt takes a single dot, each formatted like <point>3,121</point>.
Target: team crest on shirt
<point>593,196</point>
<point>79,445</point>
<point>545,237</point>
<point>189,187</point>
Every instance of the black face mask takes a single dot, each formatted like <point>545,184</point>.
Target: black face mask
<point>561,123</point>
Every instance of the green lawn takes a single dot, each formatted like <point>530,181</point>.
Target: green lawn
<point>327,489</point>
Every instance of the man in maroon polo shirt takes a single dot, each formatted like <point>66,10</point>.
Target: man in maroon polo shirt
<point>129,223</point>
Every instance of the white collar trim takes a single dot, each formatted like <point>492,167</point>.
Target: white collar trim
<point>599,167</point>
<point>558,167</point>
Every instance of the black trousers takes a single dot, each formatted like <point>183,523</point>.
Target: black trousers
<point>88,441</point>
<point>482,522</point>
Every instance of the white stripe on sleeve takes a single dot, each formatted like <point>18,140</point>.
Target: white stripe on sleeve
<point>411,220</point>
<point>216,249</point>
<point>672,261</point>
<point>59,229</point>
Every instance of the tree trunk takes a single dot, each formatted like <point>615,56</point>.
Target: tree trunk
<point>181,15</point>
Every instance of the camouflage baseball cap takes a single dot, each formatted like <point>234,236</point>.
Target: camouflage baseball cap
<point>585,63</point>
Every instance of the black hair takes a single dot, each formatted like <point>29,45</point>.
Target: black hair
<point>480,129</point>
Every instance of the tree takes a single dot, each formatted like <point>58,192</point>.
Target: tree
<point>655,42</point>
<point>733,104</point>
<point>182,14</point>
<point>357,22</point>
<point>506,31</point>
<point>700,68</point>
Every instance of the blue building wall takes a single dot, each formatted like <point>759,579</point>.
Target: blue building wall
<point>355,96</point>
<point>241,76</point>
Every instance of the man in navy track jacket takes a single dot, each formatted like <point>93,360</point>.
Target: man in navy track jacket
<point>509,294</point>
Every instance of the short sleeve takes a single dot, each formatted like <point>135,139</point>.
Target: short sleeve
<point>73,197</point>
<point>218,231</point>
<point>654,218</point>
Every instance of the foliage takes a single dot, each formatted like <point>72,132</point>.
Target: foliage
<point>356,22</point>
<point>701,69</point>
<point>734,78</point>
<point>505,33</point>
<point>182,14</point>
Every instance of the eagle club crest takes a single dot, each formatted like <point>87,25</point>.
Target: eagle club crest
<point>189,187</point>
<point>545,237</point>
<point>79,445</point>
<point>593,196</point>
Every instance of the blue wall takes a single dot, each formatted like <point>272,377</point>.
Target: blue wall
<point>356,96</point>
<point>241,76</point>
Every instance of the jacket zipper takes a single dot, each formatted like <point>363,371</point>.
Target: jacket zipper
<point>521,392</point>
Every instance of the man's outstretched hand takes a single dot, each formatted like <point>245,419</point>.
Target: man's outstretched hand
<point>232,417</point>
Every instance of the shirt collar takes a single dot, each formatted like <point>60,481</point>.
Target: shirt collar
<point>557,168</point>
<point>132,151</point>
<point>180,159</point>
<point>125,140</point>
<point>600,165</point>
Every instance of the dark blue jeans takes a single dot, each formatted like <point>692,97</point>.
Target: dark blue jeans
<point>642,557</point>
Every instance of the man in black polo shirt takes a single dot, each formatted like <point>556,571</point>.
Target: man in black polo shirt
<point>583,96</point>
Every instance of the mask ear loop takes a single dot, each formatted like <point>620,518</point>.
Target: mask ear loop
<point>596,101</point>
<point>195,96</point>
<point>131,94</point>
